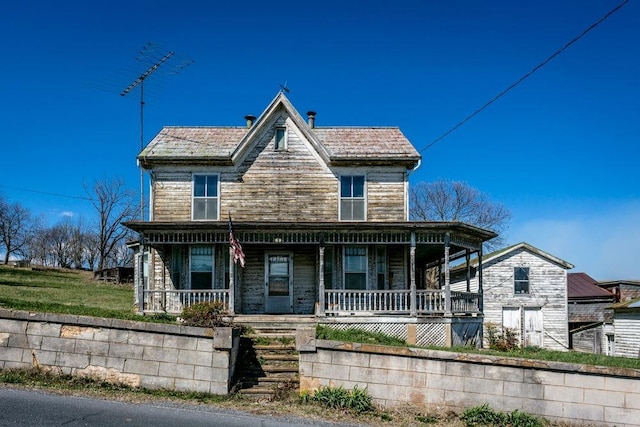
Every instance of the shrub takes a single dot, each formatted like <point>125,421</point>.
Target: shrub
<point>206,315</point>
<point>483,415</point>
<point>504,340</point>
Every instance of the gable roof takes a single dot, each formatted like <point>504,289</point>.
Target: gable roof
<point>581,286</point>
<point>228,145</point>
<point>523,245</point>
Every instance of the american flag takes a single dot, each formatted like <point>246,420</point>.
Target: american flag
<point>236,248</point>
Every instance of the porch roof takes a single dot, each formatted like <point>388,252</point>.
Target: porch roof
<point>461,235</point>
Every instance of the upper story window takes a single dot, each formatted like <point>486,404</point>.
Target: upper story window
<point>521,280</point>
<point>352,200</point>
<point>281,138</point>
<point>205,197</point>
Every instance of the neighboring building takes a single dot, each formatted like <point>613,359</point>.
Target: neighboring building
<point>626,324</point>
<point>588,311</point>
<point>115,274</point>
<point>624,290</point>
<point>525,289</point>
<point>321,214</point>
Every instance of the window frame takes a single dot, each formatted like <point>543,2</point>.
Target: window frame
<point>351,198</point>
<point>280,145</point>
<point>521,286</point>
<point>346,272</point>
<point>205,198</point>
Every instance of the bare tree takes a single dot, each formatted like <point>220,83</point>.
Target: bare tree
<point>91,252</point>
<point>458,202</point>
<point>114,204</point>
<point>15,229</point>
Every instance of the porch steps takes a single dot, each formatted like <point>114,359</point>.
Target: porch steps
<point>268,363</point>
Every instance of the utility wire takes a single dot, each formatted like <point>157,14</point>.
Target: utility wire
<point>50,194</point>
<point>536,68</point>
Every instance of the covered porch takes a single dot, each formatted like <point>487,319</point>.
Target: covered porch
<point>405,268</point>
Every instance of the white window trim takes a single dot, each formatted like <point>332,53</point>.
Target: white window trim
<point>213,266</point>
<point>193,183</point>
<point>366,267</point>
<point>528,281</point>
<point>285,141</point>
<point>364,192</point>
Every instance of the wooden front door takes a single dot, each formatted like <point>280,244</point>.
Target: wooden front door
<point>278,282</point>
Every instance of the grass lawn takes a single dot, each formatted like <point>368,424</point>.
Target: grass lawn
<point>64,291</point>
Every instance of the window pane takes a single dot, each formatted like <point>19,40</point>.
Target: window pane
<point>358,186</point>
<point>212,208</point>
<point>201,280</point>
<point>355,281</point>
<point>212,185</point>
<point>280,133</point>
<point>357,210</point>
<point>199,209</point>
<point>199,184</point>
<point>521,273</point>
<point>345,186</point>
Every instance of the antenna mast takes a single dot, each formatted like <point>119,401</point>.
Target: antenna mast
<point>140,82</point>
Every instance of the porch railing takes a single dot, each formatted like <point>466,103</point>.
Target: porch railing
<point>430,301</point>
<point>174,301</point>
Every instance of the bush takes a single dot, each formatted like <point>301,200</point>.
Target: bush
<point>206,315</point>
<point>504,340</point>
<point>483,415</point>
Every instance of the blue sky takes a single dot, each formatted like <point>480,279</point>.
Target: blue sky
<point>560,151</point>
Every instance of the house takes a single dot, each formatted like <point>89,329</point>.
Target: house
<point>588,312</point>
<point>626,324</point>
<point>319,219</point>
<point>525,289</point>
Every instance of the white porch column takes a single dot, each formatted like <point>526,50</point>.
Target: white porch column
<point>480,289</point>
<point>321,301</point>
<point>412,275</point>
<point>467,257</point>
<point>447,284</point>
<point>232,282</point>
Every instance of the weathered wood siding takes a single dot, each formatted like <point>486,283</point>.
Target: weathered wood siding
<point>279,185</point>
<point>547,291</point>
<point>626,325</point>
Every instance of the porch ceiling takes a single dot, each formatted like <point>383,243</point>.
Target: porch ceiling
<point>462,236</point>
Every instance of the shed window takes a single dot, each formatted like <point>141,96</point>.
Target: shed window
<point>521,280</point>
<point>352,199</point>
<point>281,138</point>
<point>205,197</point>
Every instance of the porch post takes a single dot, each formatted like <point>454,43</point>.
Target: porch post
<point>447,285</point>
<point>140,280</point>
<point>232,282</point>
<point>480,290</point>
<point>412,275</point>
<point>467,257</point>
<point>321,281</point>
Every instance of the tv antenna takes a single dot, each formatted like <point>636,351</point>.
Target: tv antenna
<point>153,57</point>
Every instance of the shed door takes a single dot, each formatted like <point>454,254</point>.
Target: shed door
<point>533,327</point>
<point>279,283</point>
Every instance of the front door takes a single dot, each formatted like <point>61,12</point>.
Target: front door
<point>278,283</point>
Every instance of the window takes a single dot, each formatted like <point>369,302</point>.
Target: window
<point>176,267</point>
<point>381,267</point>
<point>281,138</point>
<point>521,280</point>
<point>201,267</point>
<point>352,200</point>
<point>205,197</point>
<point>355,267</point>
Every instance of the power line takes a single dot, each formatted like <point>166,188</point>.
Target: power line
<point>47,193</point>
<point>521,79</point>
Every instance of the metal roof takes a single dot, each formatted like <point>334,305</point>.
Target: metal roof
<point>581,285</point>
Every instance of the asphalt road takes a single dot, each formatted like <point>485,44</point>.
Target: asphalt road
<point>19,407</point>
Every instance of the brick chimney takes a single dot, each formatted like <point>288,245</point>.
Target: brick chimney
<point>250,119</point>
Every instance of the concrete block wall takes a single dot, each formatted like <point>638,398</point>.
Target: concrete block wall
<point>397,377</point>
<point>139,354</point>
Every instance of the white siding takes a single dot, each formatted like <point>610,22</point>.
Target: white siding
<point>627,333</point>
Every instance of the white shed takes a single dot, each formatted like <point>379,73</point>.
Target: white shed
<point>626,325</point>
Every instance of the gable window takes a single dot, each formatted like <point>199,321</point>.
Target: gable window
<point>201,267</point>
<point>355,267</point>
<point>281,138</point>
<point>205,197</point>
<point>352,200</point>
<point>521,280</point>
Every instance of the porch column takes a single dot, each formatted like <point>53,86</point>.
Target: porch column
<point>412,275</point>
<point>140,279</point>
<point>480,290</point>
<point>447,284</point>
<point>467,257</point>
<point>321,281</point>
<point>232,282</point>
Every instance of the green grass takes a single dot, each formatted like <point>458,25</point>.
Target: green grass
<point>65,292</point>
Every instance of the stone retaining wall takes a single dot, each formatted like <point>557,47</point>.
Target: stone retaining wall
<point>396,376</point>
<point>139,354</point>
